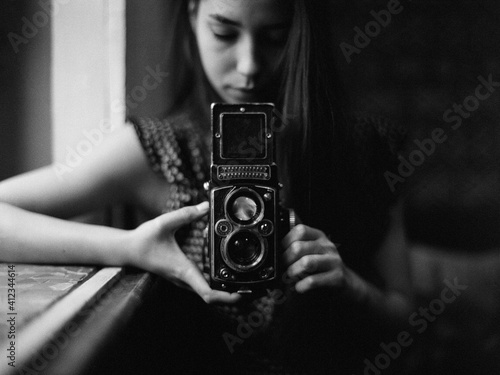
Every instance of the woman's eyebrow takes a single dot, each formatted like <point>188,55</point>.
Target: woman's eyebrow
<point>227,21</point>
<point>224,20</point>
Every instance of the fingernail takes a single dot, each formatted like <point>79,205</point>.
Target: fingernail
<point>202,206</point>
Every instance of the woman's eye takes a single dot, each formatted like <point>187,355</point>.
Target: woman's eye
<point>223,33</point>
<point>225,37</point>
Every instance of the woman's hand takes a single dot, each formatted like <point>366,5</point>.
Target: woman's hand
<point>155,249</point>
<point>312,260</point>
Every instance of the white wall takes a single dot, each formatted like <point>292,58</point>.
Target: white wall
<point>88,62</point>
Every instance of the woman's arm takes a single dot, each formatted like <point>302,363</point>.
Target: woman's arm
<point>32,205</point>
<point>28,237</point>
<point>31,202</point>
<point>33,238</point>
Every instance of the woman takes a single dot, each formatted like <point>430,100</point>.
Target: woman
<point>232,51</point>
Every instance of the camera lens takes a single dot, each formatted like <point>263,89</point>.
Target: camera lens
<point>244,250</point>
<point>244,208</point>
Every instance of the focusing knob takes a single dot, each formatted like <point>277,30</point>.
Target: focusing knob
<point>293,218</point>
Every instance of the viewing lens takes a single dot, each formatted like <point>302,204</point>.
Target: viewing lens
<point>244,208</point>
<point>244,249</point>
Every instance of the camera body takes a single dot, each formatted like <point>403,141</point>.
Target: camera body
<point>246,221</point>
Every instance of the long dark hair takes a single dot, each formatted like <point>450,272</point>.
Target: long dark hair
<point>310,92</point>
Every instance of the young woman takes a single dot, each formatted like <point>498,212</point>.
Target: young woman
<point>235,51</point>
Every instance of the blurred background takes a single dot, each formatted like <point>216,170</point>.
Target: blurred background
<point>427,58</point>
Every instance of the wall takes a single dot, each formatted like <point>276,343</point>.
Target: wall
<point>25,95</point>
<point>145,48</point>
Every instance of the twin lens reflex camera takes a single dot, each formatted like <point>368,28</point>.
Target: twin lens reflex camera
<point>246,221</point>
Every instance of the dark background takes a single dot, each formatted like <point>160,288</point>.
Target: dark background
<point>427,58</point>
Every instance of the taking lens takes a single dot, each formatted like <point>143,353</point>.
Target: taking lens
<point>245,250</point>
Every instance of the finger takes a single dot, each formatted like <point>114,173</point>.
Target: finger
<point>220,297</point>
<point>193,277</point>
<point>312,264</point>
<point>176,219</point>
<point>301,232</point>
<point>322,280</point>
<point>299,249</point>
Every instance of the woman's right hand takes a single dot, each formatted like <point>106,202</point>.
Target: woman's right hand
<point>154,249</point>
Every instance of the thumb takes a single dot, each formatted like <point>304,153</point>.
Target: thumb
<point>176,219</point>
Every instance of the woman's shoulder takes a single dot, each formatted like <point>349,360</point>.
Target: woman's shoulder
<point>175,145</point>
<point>173,126</point>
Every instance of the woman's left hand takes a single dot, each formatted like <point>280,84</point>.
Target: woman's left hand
<point>312,260</point>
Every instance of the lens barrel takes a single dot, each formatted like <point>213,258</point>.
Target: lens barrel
<point>244,250</point>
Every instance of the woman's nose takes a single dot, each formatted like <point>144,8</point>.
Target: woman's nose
<point>248,61</point>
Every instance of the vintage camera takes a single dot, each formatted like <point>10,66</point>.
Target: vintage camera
<point>246,222</point>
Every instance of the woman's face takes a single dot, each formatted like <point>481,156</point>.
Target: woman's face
<point>240,44</point>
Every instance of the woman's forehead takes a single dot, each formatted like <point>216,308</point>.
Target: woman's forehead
<point>263,12</point>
